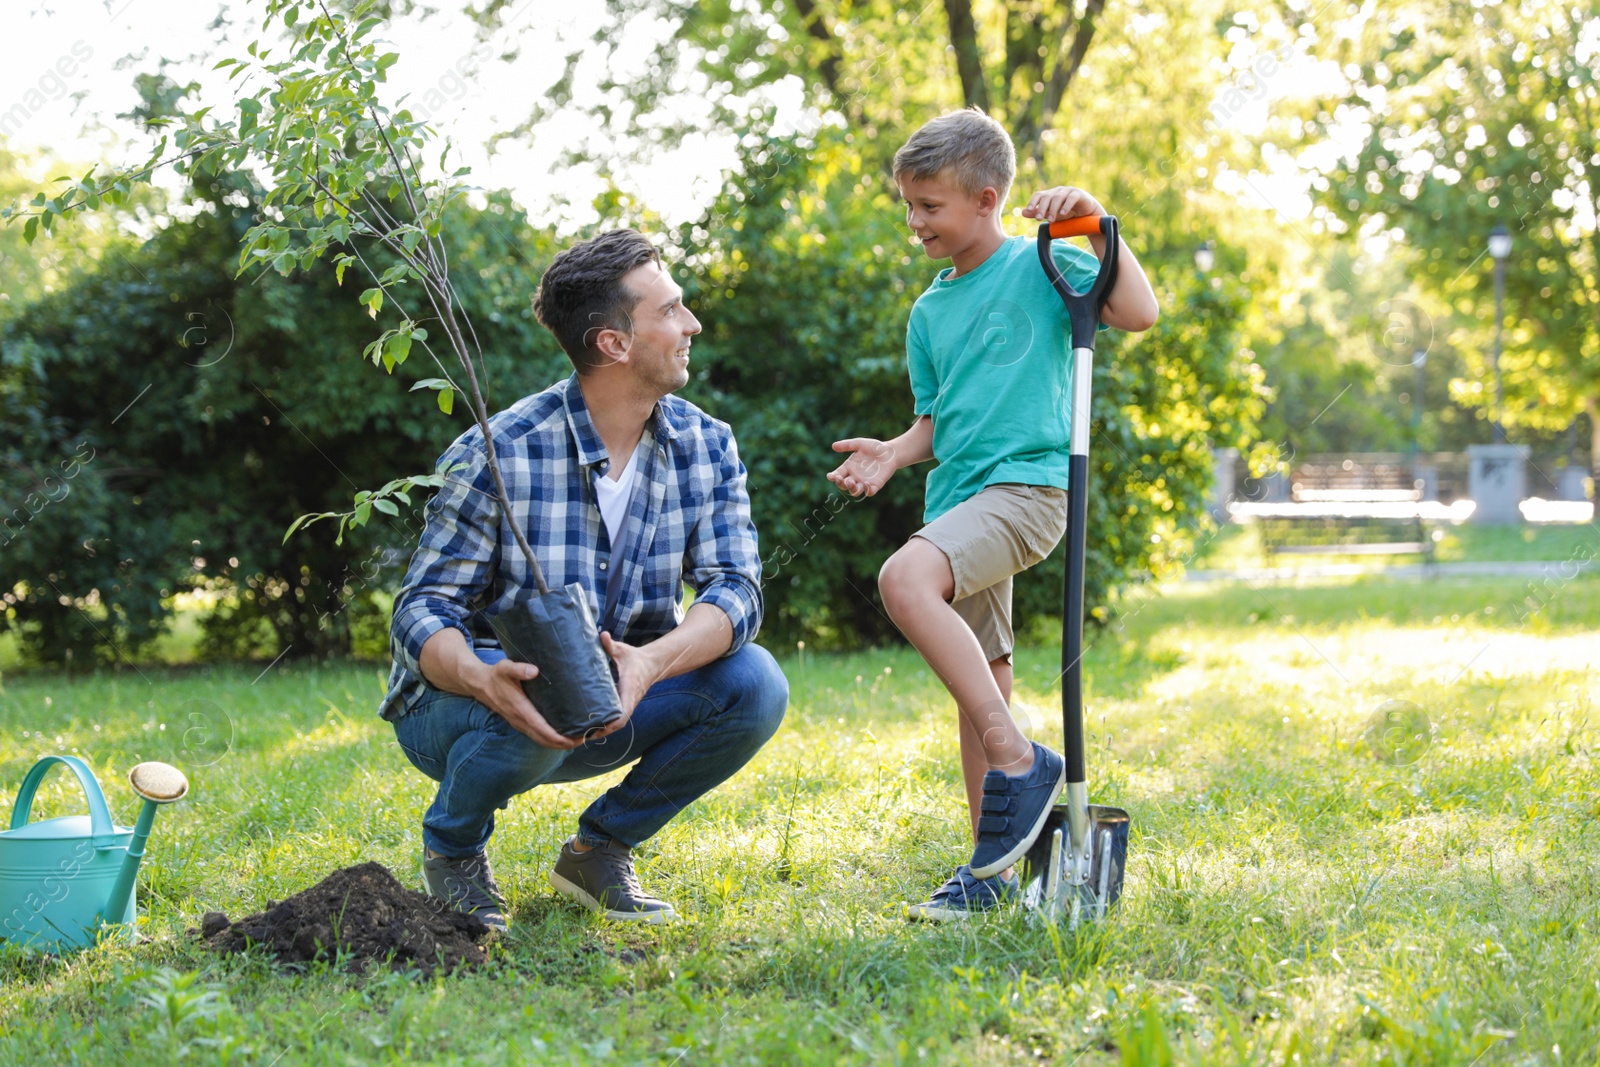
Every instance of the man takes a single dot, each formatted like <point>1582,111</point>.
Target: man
<point>607,458</point>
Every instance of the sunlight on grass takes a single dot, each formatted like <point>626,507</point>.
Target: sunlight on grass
<point>1295,889</point>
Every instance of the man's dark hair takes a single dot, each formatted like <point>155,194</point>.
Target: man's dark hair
<point>582,292</point>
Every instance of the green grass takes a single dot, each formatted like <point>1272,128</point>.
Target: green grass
<point>1238,546</point>
<point>1290,897</point>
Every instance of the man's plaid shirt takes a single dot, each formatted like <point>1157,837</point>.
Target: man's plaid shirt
<point>692,521</point>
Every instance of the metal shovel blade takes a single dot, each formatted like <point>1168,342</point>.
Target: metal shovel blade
<point>575,690</point>
<point>1110,854</point>
<point>1056,886</point>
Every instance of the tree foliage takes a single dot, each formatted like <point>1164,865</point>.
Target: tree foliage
<point>247,404</point>
<point>1474,116</point>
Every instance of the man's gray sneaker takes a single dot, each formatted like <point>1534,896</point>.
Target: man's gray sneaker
<point>964,897</point>
<point>602,880</point>
<point>465,884</point>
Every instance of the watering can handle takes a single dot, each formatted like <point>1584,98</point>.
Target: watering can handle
<point>99,814</point>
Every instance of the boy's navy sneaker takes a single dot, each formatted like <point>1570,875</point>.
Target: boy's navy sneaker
<point>1014,811</point>
<point>964,896</point>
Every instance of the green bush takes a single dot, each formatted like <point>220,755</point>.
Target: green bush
<point>247,404</point>
<point>251,406</point>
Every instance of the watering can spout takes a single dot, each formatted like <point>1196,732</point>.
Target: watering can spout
<point>157,783</point>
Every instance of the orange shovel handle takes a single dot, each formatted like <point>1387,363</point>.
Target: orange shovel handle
<point>1077,226</point>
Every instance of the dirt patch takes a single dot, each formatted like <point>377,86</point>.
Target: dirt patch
<point>363,912</point>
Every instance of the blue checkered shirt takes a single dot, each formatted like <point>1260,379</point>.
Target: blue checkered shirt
<point>693,526</point>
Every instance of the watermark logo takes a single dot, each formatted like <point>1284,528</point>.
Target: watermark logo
<point>1400,333</point>
<point>198,336</point>
<point>1399,733</point>
<point>206,733</point>
<point>1002,333</point>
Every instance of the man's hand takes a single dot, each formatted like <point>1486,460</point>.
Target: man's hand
<point>1062,202</point>
<point>499,688</point>
<point>870,464</point>
<point>637,671</point>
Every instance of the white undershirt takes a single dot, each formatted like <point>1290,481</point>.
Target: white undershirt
<point>614,496</point>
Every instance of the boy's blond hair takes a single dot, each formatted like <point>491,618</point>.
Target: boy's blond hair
<point>970,149</point>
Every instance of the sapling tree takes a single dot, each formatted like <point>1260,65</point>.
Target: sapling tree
<point>345,180</point>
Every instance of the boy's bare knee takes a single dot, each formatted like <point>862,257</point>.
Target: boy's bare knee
<point>915,573</point>
<point>893,585</point>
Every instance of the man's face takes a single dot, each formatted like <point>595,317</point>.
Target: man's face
<point>941,215</point>
<point>658,352</point>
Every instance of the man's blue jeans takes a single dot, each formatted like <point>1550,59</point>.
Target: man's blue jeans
<point>689,734</point>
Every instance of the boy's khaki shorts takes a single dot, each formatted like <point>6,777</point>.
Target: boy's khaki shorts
<point>1003,530</point>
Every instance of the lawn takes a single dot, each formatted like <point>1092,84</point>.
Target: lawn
<point>1298,890</point>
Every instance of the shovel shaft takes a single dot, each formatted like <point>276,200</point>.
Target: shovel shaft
<point>1077,541</point>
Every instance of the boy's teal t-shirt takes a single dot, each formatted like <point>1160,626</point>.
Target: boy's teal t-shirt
<point>990,359</point>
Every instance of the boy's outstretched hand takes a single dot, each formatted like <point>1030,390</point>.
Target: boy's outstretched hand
<point>870,464</point>
<point>1062,202</point>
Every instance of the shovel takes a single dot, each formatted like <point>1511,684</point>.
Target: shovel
<point>1074,870</point>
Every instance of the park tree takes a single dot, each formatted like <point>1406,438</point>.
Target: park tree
<point>1472,116</point>
<point>874,62</point>
<point>30,272</point>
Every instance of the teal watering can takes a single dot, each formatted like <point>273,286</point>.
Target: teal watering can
<point>62,879</point>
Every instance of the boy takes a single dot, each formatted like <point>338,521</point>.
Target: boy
<point>987,346</point>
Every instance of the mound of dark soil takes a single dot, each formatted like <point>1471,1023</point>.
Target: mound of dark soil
<point>363,912</point>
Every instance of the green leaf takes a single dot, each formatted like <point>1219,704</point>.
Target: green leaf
<point>386,506</point>
<point>293,526</point>
<point>447,400</point>
<point>373,298</point>
<point>30,229</point>
<point>399,347</point>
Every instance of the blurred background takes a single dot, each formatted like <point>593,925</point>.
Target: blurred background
<point>1371,227</point>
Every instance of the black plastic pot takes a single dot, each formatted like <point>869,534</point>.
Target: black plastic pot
<point>575,690</point>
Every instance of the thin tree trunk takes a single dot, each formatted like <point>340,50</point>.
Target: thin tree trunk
<point>969,62</point>
<point>1066,70</point>
<point>819,32</point>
